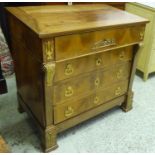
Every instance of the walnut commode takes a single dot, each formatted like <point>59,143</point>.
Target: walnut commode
<point>73,62</point>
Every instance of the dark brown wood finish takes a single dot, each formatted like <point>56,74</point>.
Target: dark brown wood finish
<point>75,66</point>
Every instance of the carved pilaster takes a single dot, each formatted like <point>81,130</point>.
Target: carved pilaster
<point>49,141</point>
<point>48,50</point>
<point>127,105</point>
<point>49,70</point>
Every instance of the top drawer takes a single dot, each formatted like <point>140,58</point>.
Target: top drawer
<point>74,45</point>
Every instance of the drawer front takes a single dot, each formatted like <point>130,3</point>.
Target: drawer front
<point>71,46</point>
<point>75,107</point>
<point>70,68</point>
<point>88,83</point>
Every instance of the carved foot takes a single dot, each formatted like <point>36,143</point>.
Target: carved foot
<point>49,139</point>
<point>20,109</point>
<point>127,105</point>
<point>126,109</point>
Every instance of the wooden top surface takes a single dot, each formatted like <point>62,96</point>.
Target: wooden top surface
<point>56,20</point>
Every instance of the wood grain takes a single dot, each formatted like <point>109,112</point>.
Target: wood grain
<point>91,82</point>
<point>61,112</point>
<point>89,114</point>
<point>69,19</point>
<point>73,62</point>
<point>92,62</point>
<point>88,43</point>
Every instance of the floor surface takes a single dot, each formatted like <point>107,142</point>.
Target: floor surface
<point>112,131</point>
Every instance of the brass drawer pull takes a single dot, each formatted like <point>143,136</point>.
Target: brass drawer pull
<point>98,61</point>
<point>119,74</point>
<point>69,69</point>
<point>122,55</point>
<point>97,82</point>
<point>141,34</point>
<point>96,100</point>
<point>118,91</point>
<point>69,112</point>
<point>69,91</point>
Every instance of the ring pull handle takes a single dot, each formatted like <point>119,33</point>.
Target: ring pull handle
<point>98,61</point>
<point>118,91</point>
<point>69,69</point>
<point>69,91</point>
<point>97,82</point>
<point>122,55</point>
<point>96,100</point>
<point>69,112</point>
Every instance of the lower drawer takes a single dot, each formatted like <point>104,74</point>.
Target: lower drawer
<point>75,107</point>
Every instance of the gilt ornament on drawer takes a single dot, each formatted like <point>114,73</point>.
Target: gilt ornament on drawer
<point>69,112</point>
<point>97,82</point>
<point>69,69</point>
<point>96,100</point>
<point>104,43</point>
<point>118,91</point>
<point>69,91</point>
<point>122,55</point>
<point>98,61</point>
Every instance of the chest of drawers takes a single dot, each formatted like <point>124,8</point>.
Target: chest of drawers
<point>73,62</point>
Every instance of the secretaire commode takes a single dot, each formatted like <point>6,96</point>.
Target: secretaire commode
<point>73,62</point>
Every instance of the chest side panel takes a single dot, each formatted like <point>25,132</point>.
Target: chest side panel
<point>27,55</point>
